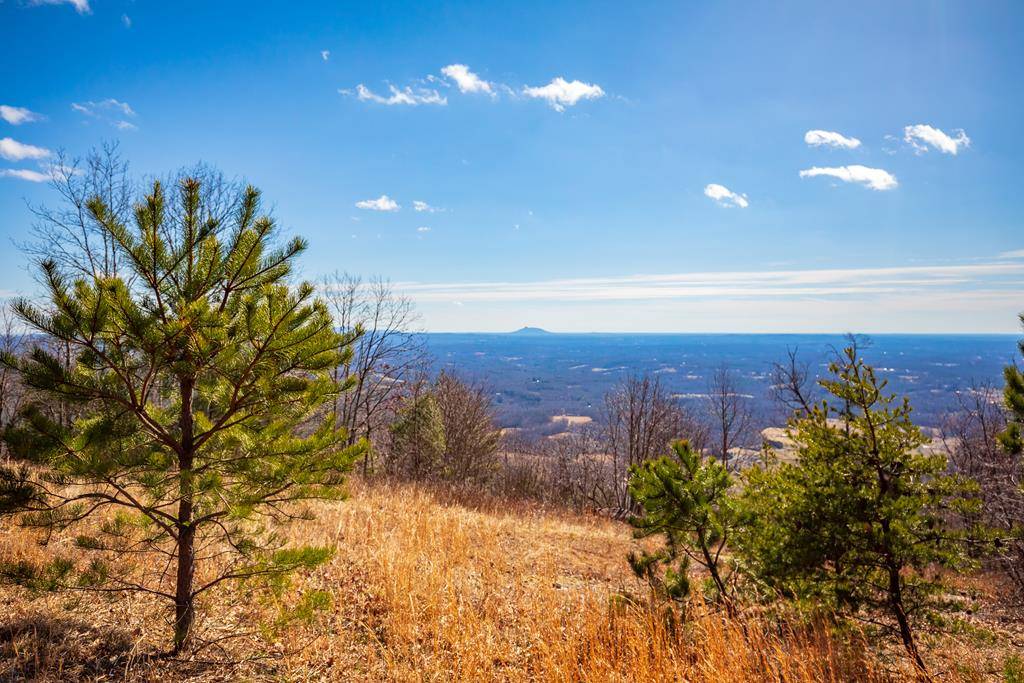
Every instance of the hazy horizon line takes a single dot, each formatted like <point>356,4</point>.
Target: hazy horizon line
<point>747,334</point>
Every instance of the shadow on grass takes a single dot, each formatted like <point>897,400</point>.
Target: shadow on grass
<point>41,648</point>
<point>44,648</point>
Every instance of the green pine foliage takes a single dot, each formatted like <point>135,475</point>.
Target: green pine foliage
<point>862,519</point>
<point>199,374</point>
<point>418,435</point>
<point>685,500</point>
<point>1013,394</point>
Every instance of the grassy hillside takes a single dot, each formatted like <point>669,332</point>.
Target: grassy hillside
<point>423,589</point>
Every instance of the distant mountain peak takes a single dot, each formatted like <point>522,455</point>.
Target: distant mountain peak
<point>531,330</point>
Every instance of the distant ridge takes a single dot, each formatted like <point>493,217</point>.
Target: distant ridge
<point>524,331</point>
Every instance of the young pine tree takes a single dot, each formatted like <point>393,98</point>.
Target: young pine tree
<point>1012,441</point>
<point>1013,395</point>
<point>417,437</point>
<point>862,518</point>
<point>200,375</point>
<point>685,499</point>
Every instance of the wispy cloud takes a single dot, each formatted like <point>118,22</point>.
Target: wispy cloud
<point>725,197</point>
<point>81,6</point>
<point>12,150</point>
<point>922,136</point>
<point>25,174</point>
<point>466,80</point>
<point>874,178</point>
<point>17,115</point>
<point>744,284</point>
<point>406,95</point>
<point>96,108</point>
<point>423,207</point>
<point>381,203</point>
<point>560,93</point>
<point>110,110</point>
<point>828,138</point>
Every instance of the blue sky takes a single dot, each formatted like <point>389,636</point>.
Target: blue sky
<point>732,167</point>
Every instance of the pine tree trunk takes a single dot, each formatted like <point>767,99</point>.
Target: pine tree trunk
<point>906,634</point>
<point>184,600</point>
<point>712,566</point>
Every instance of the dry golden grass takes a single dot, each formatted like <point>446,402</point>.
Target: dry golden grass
<point>425,589</point>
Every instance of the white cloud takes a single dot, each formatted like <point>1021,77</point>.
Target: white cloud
<point>12,150</point>
<point>24,174</point>
<point>325,55</point>
<point>921,135</point>
<point>101,106</point>
<point>109,111</point>
<point>819,138</point>
<point>17,115</point>
<point>381,203</point>
<point>81,6</point>
<point>561,93</point>
<point>404,96</point>
<point>875,178</point>
<point>725,197</point>
<point>423,207</point>
<point>467,81</point>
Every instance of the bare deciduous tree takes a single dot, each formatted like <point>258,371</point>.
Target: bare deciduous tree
<point>969,438</point>
<point>570,468</point>
<point>69,234</point>
<point>471,437</point>
<point>641,420</point>
<point>387,356</point>
<point>792,386</point>
<point>13,339</point>
<point>728,413</point>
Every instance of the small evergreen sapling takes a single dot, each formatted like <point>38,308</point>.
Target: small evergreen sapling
<point>1013,395</point>
<point>684,499</point>
<point>1012,441</point>
<point>862,518</point>
<point>200,376</point>
<point>417,436</point>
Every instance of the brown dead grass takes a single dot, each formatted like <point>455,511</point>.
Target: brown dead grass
<point>426,589</point>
